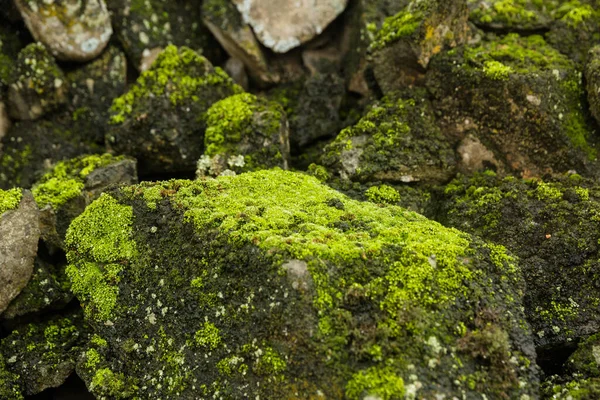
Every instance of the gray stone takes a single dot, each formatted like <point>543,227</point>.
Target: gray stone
<point>19,235</point>
<point>282,25</point>
<point>76,30</point>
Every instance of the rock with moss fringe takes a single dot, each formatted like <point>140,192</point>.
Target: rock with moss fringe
<point>244,133</point>
<point>9,383</point>
<point>271,284</point>
<point>552,228</point>
<point>145,27</point>
<point>397,141</point>
<point>68,188</point>
<point>513,14</point>
<point>73,31</point>
<point>161,119</point>
<point>43,354</point>
<point>406,42</point>
<point>521,100</point>
<point>283,25</point>
<point>19,235</point>
<point>37,85</point>
<point>592,76</point>
<point>92,88</point>
<point>225,22</point>
<point>47,289</point>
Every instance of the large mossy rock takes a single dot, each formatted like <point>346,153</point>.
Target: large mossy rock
<point>553,229</point>
<point>270,284</point>
<point>521,99</point>
<point>160,120</point>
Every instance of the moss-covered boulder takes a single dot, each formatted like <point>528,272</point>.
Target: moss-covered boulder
<point>396,141</point>
<point>592,75</point>
<point>553,229</point>
<point>270,284</point>
<point>19,236</point>
<point>521,99</point>
<point>144,27</point>
<point>74,31</point>
<point>37,85</point>
<point>244,133</point>
<point>406,42</point>
<point>69,187</point>
<point>513,14</point>
<point>42,355</point>
<point>160,120</point>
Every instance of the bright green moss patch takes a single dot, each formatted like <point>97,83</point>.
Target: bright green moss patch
<point>10,199</point>
<point>573,13</point>
<point>103,234</point>
<point>382,194</point>
<point>496,70</point>
<point>66,180</point>
<point>180,74</point>
<point>208,336</point>
<point>226,122</point>
<point>106,383</point>
<point>380,383</point>
<point>396,27</point>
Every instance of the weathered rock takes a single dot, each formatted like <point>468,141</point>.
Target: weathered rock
<point>160,120</point>
<point>92,88</point>
<point>64,192</point>
<point>72,30</point>
<point>225,22</point>
<point>592,76</point>
<point>521,99</point>
<point>19,235</point>
<point>48,288</point>
<point>237,71</point>
<point>147,27</point>
<point>43,355</point>
<point>552,228</point>
<point>37,85</point>
<point>244,133</point>
<point>270,284</point>
<point>406,42</point>
<point>5,123</point>
<point>282,25</point>
<point>10,45</point>
<point>397,141</point>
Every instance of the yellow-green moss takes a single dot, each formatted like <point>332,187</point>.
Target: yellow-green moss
<point>208,336</point>
<point>10,199</point>
<point>396,27</point>
<point>375,382</point>
<point>382,194</point>
<point>496,70</point>
<point>103,235</point>
<point>226,121</point>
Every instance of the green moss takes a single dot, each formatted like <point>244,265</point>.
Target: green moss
<point>10,199</point>
<point>180,74</point>
<point>103,235</point>
<point>396,27</point>
<point>546,191</point>
<point>37,70</point>
<point>573,13</point>
<point>382,383</point>
<point>98,341</point>
<point>496,70</point>
<point>66,180</point>
<point>382,194</point>
<point>92,358</point>
<point>106,383</point>
<point>208,336</point>
<point>9,383</point>
<point>152,196</point>
<point>319,172</point>
<point>227,120</point>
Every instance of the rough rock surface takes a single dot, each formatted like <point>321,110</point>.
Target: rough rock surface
<point>282,25</point>
<point>592,76</point>
<point>37,85</point>
<point>244,133</point>
<point>406,42</point>
<point>42,355</point>
<point>270,284</point>
<point>521,99</point>
<point>552,228</point>
<point>160,120</point>
<point>396,141</point>
<point>75,30</point>
<point>19,235</point>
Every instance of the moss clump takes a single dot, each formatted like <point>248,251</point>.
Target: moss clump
<point>208,336</point>
<point>179,74</point>
<point>380,382</point>
<point>103,236</point>
<point>108,384</point>
<point>37,70</point>
<point>574,13</point>
<point>496,70</point>
<point>9,383</point>
<point>66,180</point>
<point>10,199</point>
<point>401,25</point>
<point>520,14</point>
<point>382,194</point>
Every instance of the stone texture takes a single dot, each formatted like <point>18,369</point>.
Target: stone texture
<point>76,30</point>
<point>282,25</point>
<point>19,235</point>
<point>37,85</point>
<point>592,76</point>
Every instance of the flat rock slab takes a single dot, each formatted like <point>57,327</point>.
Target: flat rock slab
<point>282,25</point>
<point>19,235</point>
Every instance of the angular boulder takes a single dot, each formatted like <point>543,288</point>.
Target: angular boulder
<point>270,284</point>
